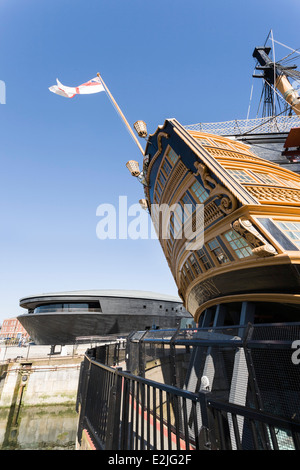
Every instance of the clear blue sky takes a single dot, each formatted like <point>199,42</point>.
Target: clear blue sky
<point>60,158</point>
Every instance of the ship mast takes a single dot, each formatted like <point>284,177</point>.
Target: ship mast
<point>276,76</point>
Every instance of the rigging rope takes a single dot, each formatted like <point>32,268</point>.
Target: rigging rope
<point>274,68</point>
<point>281,66</point>
<point>291,49</point>
<point>290,54</point>
<point>250,99</point>
<point>263,123</point>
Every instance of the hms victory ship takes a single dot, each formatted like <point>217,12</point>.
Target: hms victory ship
<point>251,222</point>
<point>225,201</point>
<point>251,206</point>
<point>239,272</point>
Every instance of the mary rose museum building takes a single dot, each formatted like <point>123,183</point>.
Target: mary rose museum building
<point>63,317</point>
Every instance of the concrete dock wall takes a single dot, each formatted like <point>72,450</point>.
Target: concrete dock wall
<point>37,402</point>
<point>38,383</point>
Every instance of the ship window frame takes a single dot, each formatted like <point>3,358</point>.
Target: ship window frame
<point>189,271</point>
<point>287,231</point>
<point>205,142</point>
<point>200,196</point>
<point>172,156</point>
<point>155,198</point>
<point>213,142</point>
<point>267,178</point>
<point>218,252</point>
<point>238,175</point>
<point>158,185</point>
<point>188,203</point>
<point>260,178</point>
<point>161,179</point>
<point>203,258</point>
<point>183,278</point>
<point>238,244</point>
<point>171,226</point>
<point>196,263</point>
<point>178,219</point>
<point>220,144</point>
<point>291,183</point>
<point>166,163</point>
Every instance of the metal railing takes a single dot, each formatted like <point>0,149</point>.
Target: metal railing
<point>126,412</point>
<point>121,410</point>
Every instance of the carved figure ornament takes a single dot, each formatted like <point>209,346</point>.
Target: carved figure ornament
<point>228,202</point>
<point>258,244</point>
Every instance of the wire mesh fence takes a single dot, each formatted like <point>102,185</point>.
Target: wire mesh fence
<point>263,125</point>
<point>219,388</point>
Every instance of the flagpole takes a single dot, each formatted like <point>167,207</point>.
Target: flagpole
<point>121,114</point>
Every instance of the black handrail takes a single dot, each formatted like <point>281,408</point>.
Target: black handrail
<point>121,410</point>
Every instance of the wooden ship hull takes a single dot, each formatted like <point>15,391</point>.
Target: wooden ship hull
<point>250,222</point>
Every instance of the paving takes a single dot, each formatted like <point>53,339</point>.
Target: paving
<point>32,351</point>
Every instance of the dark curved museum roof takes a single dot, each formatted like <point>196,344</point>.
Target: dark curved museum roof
<point>28,301</point>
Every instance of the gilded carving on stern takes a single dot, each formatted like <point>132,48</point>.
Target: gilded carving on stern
<point>228,202</point>
<point>259,245</point>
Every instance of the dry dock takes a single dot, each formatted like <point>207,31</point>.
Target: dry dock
<point>38,393</point>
